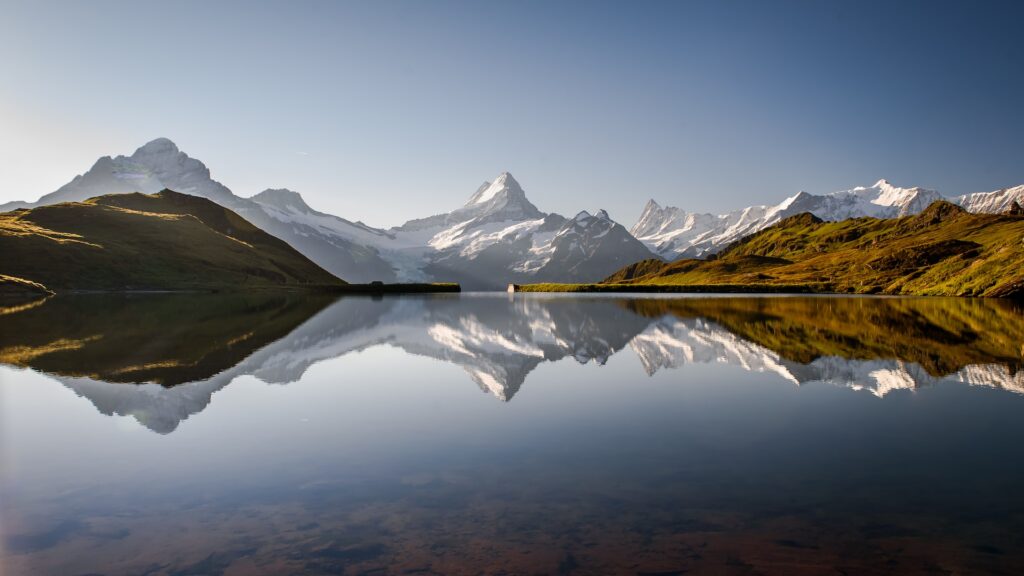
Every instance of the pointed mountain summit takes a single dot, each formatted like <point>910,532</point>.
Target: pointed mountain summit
<point>600,218</point>
<point>488,190</point>
<point>652,219</point>
<point>649,214</point>
<point>282,199</point>
<point>156,165</point>
<point>504,198</point>
<point>505,188</point>
<point>905,200</point>
<point>158,147</point>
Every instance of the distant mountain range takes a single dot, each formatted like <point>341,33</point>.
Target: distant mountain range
<point>498,236</point>
<point>196,345</point>
<point>674,233</point>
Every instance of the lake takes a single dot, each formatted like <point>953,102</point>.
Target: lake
<point>511,434</point>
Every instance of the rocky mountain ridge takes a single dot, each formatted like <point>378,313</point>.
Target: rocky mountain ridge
<point>674,233</point>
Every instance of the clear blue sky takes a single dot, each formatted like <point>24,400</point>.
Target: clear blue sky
<point>383,111</point>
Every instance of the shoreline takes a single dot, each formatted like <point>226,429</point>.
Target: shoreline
<point>672,288</point>
<point>411,288</point>
<point>808,289</point>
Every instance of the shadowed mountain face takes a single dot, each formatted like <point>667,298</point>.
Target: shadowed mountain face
<point>162,241</point>
<point>160,358</point>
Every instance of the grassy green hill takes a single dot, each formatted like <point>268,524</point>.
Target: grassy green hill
<point>164,241</point>
<point>943,251</point>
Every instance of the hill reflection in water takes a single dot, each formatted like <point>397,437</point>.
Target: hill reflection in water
<point>159,358</point>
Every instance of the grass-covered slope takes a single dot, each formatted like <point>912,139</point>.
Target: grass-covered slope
<point>943,251</point>
<point>164,241</point>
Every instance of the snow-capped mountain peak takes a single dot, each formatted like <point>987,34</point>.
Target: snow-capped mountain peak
<point>156,165</point>
<point>587,218</point>
<point>794,200</point>
<point>995,202</point>
<point>908,200</point>
<point>162,159</point>
<point>502,200</point>
<point>504,187</point>
<point>157,147</point>
<point>654,218</point>
<point>283,199</point>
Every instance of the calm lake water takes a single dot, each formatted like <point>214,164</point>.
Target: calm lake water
<point>489,434</point>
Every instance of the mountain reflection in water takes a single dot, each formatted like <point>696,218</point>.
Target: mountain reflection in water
<point>648,435</point>
<point>160,358</point>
